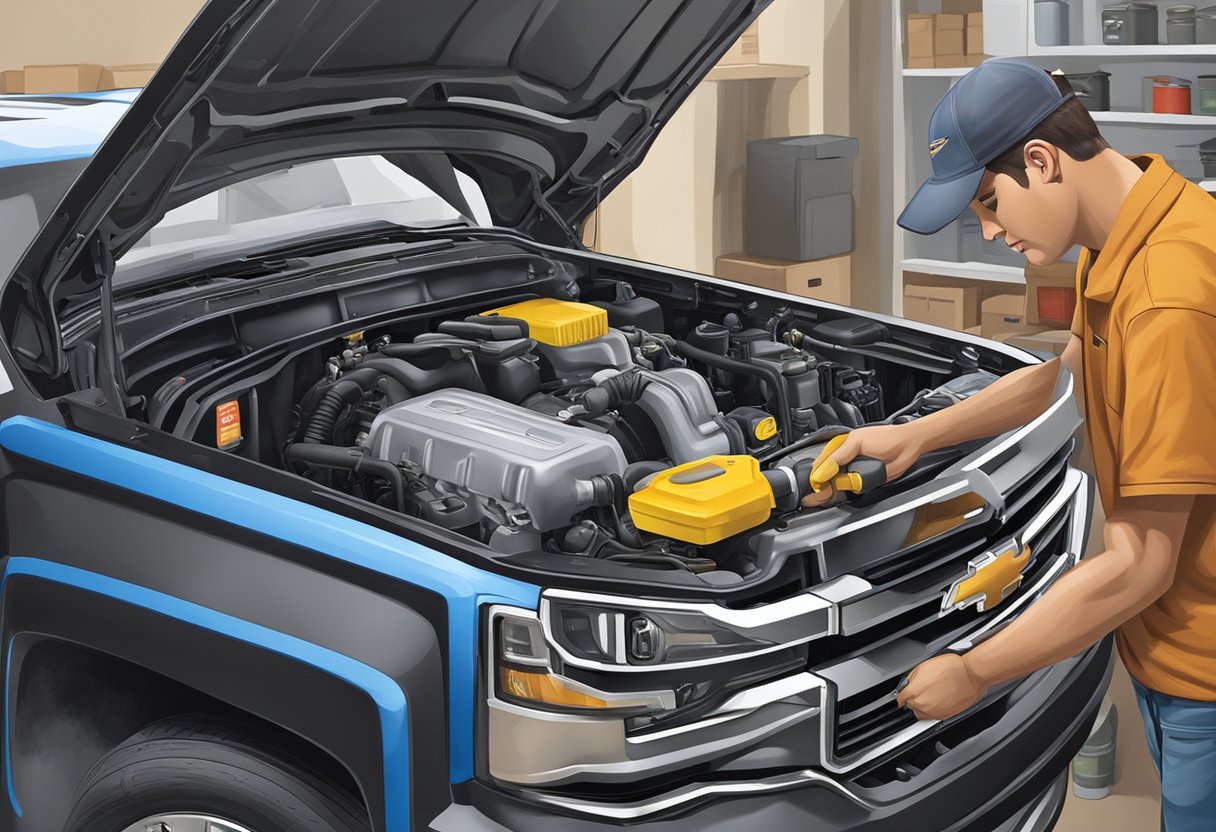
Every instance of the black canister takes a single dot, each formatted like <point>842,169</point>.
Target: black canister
<point>1092,89</point>
<point>710,337</point>
<point>1129,23</point>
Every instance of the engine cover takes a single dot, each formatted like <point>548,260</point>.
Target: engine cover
<point>497,450</point>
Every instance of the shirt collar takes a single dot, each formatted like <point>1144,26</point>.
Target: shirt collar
<point>1150,199</point>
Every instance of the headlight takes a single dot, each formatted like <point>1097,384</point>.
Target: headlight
<point>627,634</point>
<point>524,670</point>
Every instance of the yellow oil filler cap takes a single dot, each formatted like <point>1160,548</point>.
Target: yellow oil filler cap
<point>704,501</point>
<point>559,323</point>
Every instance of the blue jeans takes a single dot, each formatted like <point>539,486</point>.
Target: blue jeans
<point>1182,741</point>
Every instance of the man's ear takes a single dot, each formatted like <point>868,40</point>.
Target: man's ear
<point>1042,160</point>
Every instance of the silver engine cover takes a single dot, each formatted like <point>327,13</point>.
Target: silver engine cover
<point>498,450</point>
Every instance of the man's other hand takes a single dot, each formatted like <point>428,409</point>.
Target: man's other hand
<point>896,445</point>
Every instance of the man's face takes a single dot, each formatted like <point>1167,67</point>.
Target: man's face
<point>1038,221</point>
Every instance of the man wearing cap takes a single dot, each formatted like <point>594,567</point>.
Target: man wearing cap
<point>1013,143</point>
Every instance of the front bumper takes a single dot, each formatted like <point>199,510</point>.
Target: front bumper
<point>996,777</point>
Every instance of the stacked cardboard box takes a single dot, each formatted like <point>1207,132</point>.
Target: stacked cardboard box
<point>746,50</point>
<point>1051,341</point>
<point>51,78</point>
<point>60,78</point>
<point>12,81</point>
<point>949,40</point>
<point>826,279</point>
<point>126,76</point>
<point>953,303</point>
<point>1004,315</point>
<point>920,41</point>
<point>975,38</point>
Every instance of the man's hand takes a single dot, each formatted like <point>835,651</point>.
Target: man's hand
<point>896,445</point>
<point>940,688</point>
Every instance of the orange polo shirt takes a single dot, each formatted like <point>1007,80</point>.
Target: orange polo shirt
<point>1146,315</point>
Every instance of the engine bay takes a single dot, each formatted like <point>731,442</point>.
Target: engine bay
<point>584,418</point>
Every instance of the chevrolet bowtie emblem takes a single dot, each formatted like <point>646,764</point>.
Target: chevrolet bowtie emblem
<point>990,578</point>
<point>935,146</point>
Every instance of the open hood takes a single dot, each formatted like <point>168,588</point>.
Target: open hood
<point>547,104</point>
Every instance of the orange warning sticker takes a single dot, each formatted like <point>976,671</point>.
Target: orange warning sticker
<point>227,424</point>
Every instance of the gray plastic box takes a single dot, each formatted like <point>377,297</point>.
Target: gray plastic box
<point>799,197</point>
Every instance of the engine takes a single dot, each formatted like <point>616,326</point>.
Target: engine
<point>539,427</point>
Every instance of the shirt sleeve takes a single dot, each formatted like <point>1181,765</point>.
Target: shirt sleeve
<point>1169,404</point>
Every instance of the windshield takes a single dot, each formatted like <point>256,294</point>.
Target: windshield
<point>28,195</point>
<point>303,201</point>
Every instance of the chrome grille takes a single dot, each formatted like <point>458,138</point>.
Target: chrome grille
<point>867,718</point>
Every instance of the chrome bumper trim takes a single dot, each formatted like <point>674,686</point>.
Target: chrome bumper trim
<point>697,792</point>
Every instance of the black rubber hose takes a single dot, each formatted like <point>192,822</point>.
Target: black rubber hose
<point>341,394</point>
<point>765,373</point>
<point>459,371</point>
<point>615,391</point>
<point>347,459</point>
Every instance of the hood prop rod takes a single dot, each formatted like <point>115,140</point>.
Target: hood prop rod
<point>109,370</point>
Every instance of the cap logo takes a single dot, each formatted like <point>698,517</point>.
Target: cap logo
<point>935,146</point>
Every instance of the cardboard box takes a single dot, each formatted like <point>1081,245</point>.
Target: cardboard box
<point>1050,341</point>
<point>921,63</point>
<point>12,81</point>
<point>919,37</point>
<point>126,76</point>
<point>1055,289</point>
<point>941,61</point>
<point>50,78</point>
<point>827,279</point>
<point>746,50</point>
<point>974,330</point>
<point>1003,315</point>
<point>962,6</point>
<point>973,60</point>
<point>975,40</point>
<point>948,23</point>
<point>933,301</point>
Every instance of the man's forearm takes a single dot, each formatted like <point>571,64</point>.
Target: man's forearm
<point>1008,403</point>
<point>1086,603</point>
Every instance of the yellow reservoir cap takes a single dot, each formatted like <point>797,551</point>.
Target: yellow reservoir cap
<point>766,428</point>
<point>704,501</point>
<point>558,323</point>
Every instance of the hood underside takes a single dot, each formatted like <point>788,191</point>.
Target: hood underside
<point>546,104</point>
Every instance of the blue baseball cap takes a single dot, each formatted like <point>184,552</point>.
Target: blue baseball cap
<point>989,110</point>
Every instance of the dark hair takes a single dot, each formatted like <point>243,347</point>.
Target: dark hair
<point>1070,128</point>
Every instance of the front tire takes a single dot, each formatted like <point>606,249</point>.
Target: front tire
<point>196,768</point>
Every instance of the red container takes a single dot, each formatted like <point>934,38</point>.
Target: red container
<point>1171,95</point>
<point>1056,305</point>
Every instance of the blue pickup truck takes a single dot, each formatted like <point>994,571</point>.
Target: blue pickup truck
<point>344,489</point>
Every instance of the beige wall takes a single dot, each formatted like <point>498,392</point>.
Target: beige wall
<point>91,31</point>
<point>684,206</point>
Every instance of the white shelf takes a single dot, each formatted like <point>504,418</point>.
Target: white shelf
<point>1209,185</point>
<point>753,72</point>
<point>1164,119</point>
<point>1165,52</point>
<point>971,270</point>
<point>941,72</point>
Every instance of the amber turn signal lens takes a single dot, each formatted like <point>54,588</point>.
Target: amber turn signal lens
<point>541,687</point>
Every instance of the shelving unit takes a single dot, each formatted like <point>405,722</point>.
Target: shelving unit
<point>1009,31</point>
<point>972,270</point>
<point>1161,119</point>
<point>756,72</point>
